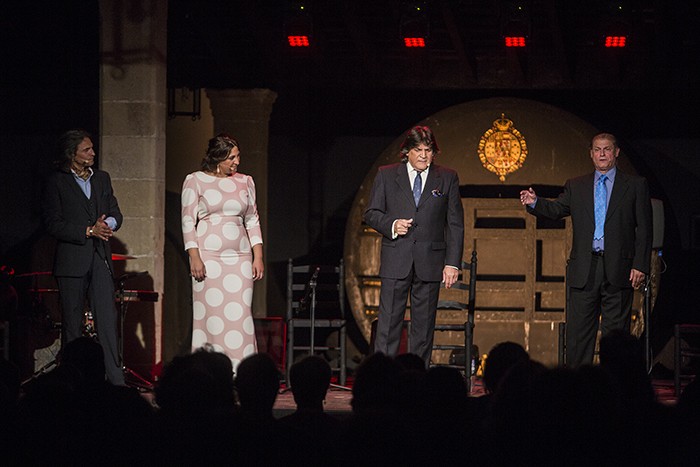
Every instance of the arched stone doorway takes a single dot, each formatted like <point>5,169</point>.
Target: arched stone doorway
<point>521,271</point>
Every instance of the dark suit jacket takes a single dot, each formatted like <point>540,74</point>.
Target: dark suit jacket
<point>67,213</point>
<point>436,237</point>
<point>628,226</point>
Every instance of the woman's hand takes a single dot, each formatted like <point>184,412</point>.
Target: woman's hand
<point>258,269</point>
<point>258,265</point>
<point>197,269</point>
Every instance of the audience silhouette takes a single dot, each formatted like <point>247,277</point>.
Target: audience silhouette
<point>197,410</point>
<point>310,379</point>
<point>381,423</point>
<point>9,397</point>
<point>498,361</point>
<point>622,357</point>
<point>686,429</point>
<point>402,414</point>
<point>260,438</point>
<point>72,415</point>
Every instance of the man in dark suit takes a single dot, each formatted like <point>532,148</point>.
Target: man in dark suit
<point>611,251</point>
<point>417,208</point>
<point>81,212</point>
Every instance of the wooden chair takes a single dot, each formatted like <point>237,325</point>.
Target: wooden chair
<point>315,302</point>
<point>691,349</point>
<point>461,298</point>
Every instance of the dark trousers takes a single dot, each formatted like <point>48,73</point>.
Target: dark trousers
<point>392,308</point>
<point>597,302</point>
<point>97,285</point>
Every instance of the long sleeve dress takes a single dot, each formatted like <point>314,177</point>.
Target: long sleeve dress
<point>220,218</point>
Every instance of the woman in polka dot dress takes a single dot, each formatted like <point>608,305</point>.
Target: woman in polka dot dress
<point>221,230</point>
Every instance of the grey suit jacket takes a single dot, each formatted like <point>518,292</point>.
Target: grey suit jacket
<point>628,226</point>
<point>67,213</point>
<point>436,237</point>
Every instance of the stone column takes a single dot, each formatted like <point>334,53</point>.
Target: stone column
<point>132,149</point>
<point>245,115</point>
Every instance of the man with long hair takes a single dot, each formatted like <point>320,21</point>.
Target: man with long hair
<point>82,213</point>
<point>416,206</point>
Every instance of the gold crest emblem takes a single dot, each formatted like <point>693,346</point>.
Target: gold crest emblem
<point>502,149</point>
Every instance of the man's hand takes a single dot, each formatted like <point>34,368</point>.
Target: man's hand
<point>101,230</point>
<point>402,225</point>
<point>528,196</point>
<point>636,278</point>
<point>449,276</point>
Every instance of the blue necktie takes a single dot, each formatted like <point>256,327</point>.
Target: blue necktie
<point>600,201</point>
<point>417,187</point>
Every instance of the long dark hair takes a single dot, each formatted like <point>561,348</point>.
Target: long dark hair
<point>218,150</point>
<point>415,137</point>
<point>67,145</point>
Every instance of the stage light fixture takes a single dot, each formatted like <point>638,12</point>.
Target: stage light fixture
<point>515,24</point>
<point>615,41</point>
<point>616,26</point>
<point>298,41</point>
<point>415,25</point>
<point>515,41</point>
<point>414,41</point>
<point>298,27</point>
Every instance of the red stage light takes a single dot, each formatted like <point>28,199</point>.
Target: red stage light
<point>414,41</point>
<point>517,41</point>
<point>298,41</point>
<point>615,41</point>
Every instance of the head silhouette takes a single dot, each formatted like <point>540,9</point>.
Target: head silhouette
<point>501,357</point>
<point>257,383</point>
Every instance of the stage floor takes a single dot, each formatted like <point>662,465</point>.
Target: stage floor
<point>338,400</point>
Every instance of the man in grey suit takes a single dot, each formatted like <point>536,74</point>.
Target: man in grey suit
<point>81,212</point>
<point>611,251</point>
<point>417,208</point>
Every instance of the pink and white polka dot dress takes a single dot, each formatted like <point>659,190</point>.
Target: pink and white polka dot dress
<point>220,217</point>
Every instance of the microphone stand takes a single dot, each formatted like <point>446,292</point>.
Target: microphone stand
<point>140,382</point>
<point>647,322</point>
<point>312,308</point>
<point>312,320</point>
<point>311,293</point>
